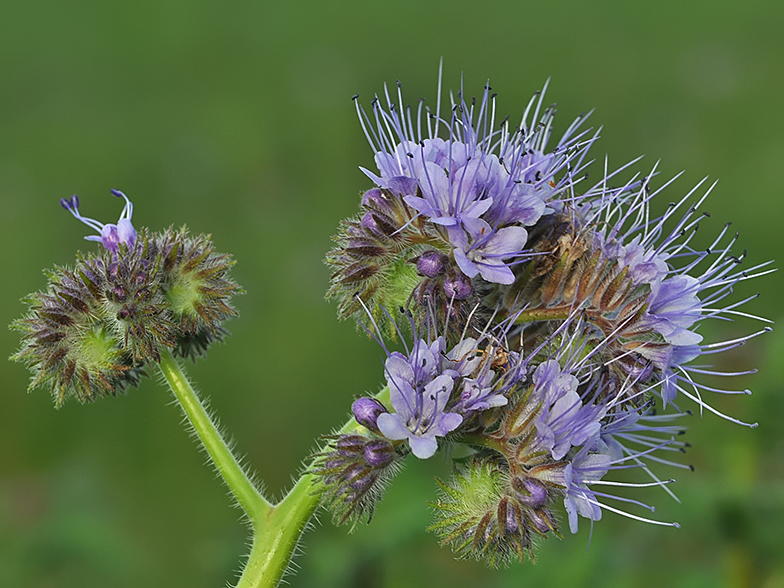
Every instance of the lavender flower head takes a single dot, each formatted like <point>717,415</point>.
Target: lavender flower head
<point>568,318</point>
<point>102,323</point>
<point>111,236</point>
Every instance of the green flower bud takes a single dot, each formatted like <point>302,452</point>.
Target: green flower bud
<point>483,514</point>
<point>69,339</point>
<point>375,260</point>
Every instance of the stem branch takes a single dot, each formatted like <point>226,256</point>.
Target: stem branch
<point>276,528</point>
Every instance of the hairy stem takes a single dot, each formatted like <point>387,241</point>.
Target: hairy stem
<point>246,493</point>
<point>276,528</point>
<point>275,537</point>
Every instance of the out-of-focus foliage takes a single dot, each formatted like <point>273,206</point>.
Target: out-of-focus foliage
<point>237,120</point>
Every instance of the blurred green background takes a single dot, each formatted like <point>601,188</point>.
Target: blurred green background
<point>236,119</point>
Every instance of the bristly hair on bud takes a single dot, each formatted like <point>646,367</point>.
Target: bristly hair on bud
<point>354,471</point>
<point>198,290</point>
<point>98,325</point>
<point>485,514</point>
<point>68,341</point>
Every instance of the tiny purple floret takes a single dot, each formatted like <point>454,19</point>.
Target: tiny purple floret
<point>111,235</point>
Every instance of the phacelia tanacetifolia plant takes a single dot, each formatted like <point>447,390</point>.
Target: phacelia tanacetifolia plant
<point>544,328</point>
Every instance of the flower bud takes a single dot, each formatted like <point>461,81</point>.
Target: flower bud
<point>98,325</point>
<point>354,471</point>
<point>457,285</point>
<point>379,453</point>
<point>431,264</point>
<point>375,199</point>
<point>366,411</point>
<point>69,341</point>
<point>198,289</point>
<point>378,224</point>
<point>480,515</point>
<point>530,492</point>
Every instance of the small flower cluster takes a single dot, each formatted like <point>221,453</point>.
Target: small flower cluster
<point>553,330</point>
<point>99,324</point>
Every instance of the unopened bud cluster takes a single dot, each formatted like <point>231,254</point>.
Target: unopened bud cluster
<point>100,323</point>
<point>553,324</point>
<point>355,469</point>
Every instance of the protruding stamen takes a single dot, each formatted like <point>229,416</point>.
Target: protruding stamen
<point>111,235</point>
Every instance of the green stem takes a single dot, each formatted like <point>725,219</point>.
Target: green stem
<point>276,528</point>
<point>276,536</point>
<point>246,493</point>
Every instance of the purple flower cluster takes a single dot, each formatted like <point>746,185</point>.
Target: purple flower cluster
<point>104,323</point>
<point>555,329</point>
<point>480,185</point>
<point>433,391</point>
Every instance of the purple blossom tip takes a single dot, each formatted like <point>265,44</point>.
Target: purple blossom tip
<point>111,235</point>
<point>457,285</point>
<point>419,392</point>
<point>71,203</point>
<point>431,263</point>
<point>366,411</point>
<point>379,453</point>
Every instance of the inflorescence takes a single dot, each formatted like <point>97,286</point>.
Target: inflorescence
<point>99,324</point>
<point>550,326</point>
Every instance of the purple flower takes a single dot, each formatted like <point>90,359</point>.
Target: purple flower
<point>687,286</point>
<point>674,307</point>
<point>480,250</point>
<point>419,392</point>
<point>483,386</point>
<point>110,235</point>
<point>578,475</point>
<point>480,394</point>
<point>564,421</point>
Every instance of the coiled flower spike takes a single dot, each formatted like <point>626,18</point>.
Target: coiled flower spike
<point>483,236</point>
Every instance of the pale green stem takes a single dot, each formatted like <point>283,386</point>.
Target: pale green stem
<point>276,528</point>
<point>246,493</point>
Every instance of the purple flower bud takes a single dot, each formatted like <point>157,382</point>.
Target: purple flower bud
<point>366,411</point>
<point>457,285</point>
<point>119,294</point>
<point>513,521</point>
<point>358,478</point>
<point>530,492</point>
<point>431,263</point>
<point>539,522</point>
<point>349,445</point>
<point>376,200</point>
<point>378,224</point>
<point>379,453</point>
